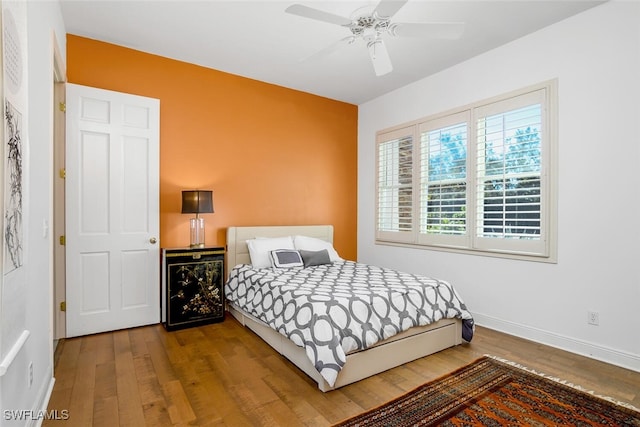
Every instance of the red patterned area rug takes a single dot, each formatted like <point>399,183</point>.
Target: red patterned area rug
<point>489,392</point>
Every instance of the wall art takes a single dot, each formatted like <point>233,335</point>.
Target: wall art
<point>13,232</point>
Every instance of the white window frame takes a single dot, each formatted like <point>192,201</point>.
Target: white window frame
<point>425,127</point>
<point>382,138</point>
<point>543,248</point>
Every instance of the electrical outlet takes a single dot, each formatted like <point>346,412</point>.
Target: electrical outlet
<point>593,318</point>
<point>30,378</point>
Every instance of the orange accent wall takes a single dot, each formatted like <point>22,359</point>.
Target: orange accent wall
<point>271,155</point>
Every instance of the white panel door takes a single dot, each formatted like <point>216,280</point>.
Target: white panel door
<point>112,210</point>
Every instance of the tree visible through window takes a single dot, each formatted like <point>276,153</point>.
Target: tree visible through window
<point>474,180</point>
<point>509,174</point>
<point>443,183</point>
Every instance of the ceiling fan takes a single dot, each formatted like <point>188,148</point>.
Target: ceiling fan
<point>370,26</point>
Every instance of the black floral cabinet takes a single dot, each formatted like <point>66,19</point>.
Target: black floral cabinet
<point>192,287</point>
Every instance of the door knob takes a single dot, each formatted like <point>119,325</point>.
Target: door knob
<point>153,240</point>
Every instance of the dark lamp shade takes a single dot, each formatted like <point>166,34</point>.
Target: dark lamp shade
<point>197,201</point>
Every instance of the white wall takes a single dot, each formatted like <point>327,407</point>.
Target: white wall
<point>596,58</point>
<point>31,308</point>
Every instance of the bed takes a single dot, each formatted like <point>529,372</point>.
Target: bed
<point>380,353</point>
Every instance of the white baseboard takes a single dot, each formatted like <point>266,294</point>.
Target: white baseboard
<point>583,348</point>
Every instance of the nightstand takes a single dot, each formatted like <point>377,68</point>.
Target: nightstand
<point>192,287</point>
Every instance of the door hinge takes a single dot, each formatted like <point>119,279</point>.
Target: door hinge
<point>63,306</point>
<point>63,240</point>
<point>63,173</point>
<point>63,107</point>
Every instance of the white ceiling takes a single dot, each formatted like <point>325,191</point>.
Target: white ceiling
<point>258,40</point>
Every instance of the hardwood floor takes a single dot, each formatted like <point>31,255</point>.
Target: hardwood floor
<point>224,375</point>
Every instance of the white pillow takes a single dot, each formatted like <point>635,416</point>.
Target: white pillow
<point>306,243</point>
<point>260,249</point>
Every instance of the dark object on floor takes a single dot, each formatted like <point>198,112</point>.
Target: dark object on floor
<point>489,392</point>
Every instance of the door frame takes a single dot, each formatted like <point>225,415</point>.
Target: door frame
<point>58,266</point>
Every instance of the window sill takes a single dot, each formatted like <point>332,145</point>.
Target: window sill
<point>551,259</point>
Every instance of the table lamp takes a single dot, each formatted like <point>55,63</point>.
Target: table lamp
<point>197,202</point>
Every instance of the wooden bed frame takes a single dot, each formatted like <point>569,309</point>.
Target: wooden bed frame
<point>404,347</point>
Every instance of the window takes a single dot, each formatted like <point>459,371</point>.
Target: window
<point>395,185</point>
<point>477,179</point>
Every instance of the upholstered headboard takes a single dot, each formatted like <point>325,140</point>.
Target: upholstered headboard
<point>238,252</point>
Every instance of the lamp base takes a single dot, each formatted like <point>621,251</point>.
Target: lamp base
<point>197,232</point>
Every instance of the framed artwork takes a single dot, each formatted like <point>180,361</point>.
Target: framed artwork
<point>12,66</point>
<point>13,231</point>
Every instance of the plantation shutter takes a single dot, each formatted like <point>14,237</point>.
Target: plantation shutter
<point>395,207</point>
<point>509,176</point>
<point>443,180</point>
<point>478,179</point>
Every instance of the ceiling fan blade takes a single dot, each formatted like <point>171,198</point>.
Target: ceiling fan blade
<point>379,57</point>
<point>388,8</point>
<point>319,15</point>
<point>437,30</point>
<point>329,49</point>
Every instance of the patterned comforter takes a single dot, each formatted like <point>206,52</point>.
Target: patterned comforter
<point>333,309</point>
